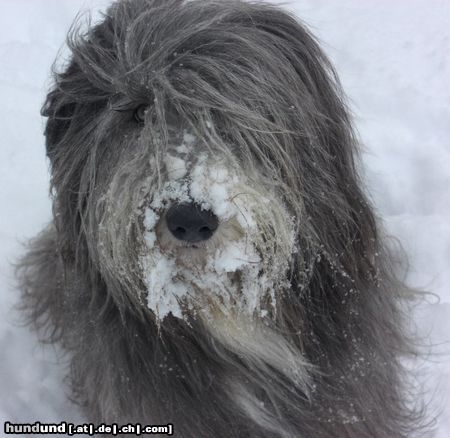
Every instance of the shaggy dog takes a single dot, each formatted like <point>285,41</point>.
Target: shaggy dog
<point>213,262</point>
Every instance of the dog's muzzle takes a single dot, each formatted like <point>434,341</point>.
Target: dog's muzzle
<point>188,222</point>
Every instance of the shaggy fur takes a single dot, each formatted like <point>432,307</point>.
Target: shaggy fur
<point>320,354</point>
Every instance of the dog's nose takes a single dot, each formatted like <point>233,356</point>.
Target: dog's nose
<point>190,223</point>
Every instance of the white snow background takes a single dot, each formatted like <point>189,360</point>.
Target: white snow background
<point>393,60</point>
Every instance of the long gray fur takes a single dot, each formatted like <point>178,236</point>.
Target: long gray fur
<point>256,75</point>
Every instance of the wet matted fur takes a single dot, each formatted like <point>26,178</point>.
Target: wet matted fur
<point>319,353</point>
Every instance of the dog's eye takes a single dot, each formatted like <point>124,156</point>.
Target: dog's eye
<point>139,113</point>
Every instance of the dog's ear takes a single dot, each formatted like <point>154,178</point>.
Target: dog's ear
<point>346,226</point>
<point>82,83</point>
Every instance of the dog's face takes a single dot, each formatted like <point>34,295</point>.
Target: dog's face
<point>194,151</point>
<point>194,222</point>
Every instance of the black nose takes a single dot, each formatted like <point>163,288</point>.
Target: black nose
<point>190,223</point>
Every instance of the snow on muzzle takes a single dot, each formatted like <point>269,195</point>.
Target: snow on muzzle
<point>210,242</point>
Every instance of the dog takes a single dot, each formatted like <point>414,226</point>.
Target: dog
<point>213,261</point>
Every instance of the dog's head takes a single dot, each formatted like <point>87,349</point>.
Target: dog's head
<point>202,157</point>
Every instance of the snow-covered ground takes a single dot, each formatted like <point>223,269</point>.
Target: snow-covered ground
<point>393,59</point>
